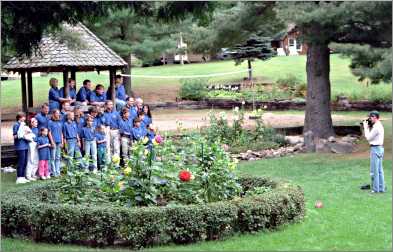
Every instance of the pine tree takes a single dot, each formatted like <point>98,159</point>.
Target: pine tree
<point>321,23</point>
<point>254,48</point>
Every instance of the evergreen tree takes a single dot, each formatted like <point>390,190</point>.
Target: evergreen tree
<point>254,48</point>
<point>321,23</point>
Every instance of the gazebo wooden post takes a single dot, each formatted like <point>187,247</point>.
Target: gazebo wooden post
<point>73,75</point>
<point>65,80</point>
<point>24,93</point>
<point>112,73</point>
<point>30,88</point>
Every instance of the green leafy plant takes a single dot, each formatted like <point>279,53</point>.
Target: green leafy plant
<point>193,89</point>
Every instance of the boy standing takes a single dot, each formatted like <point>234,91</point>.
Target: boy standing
<point>101,146</point>
<point>89,143</point>
<point>21,147</point>
<point>71,138</point>
<point>112,122</point>
<point>55,127</point>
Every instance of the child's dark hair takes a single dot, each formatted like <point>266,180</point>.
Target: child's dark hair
<point>19,115</point>
<point>137,120</point>
<point>124,110</point>
<point>99,86</point>
<point>43,129</point>
<point>93,109</point>
<point>141,113</point>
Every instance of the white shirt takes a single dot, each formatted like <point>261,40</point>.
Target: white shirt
<point>375,135</point>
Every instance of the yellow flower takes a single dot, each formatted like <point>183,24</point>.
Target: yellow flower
<point>145,140</point>
<point>146,152</point>
<point>121,185</point>
<point>116,159</point>
<point>127,170</point>
<point>232,166</point>
<point>154,142</point>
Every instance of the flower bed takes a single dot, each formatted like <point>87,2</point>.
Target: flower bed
<point>36,212</point>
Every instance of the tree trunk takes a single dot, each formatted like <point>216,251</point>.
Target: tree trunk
<point>318,114</point>
<point>127,79</point>
<point>249,70</point>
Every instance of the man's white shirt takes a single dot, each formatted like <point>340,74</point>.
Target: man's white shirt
<point>375,135</point>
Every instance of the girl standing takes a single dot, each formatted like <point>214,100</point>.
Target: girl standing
<point>43,154</point>
<point>21,147</point>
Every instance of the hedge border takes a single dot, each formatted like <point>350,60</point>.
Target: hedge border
<point>147,226</point>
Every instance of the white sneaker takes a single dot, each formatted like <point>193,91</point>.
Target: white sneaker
<point>47,177</point>
<point>94,171</point>
<point>43,177</point>
<point>21,180</point>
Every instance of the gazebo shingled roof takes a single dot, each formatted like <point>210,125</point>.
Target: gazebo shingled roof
<point>56,56</point>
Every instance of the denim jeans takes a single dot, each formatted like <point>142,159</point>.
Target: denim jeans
<point>101,157</point>
<point>90,153</point>
<point>376,169</point>
<point>55,158</point>
<point>73,150</point>
<point>22,162</point>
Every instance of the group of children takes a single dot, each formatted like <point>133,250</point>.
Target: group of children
<point>102,132</point>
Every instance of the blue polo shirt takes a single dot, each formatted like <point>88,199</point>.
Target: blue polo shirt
<point>20,144</point>
<point>99,137</point>
<point>55,128</point>
<point>80,124</point>
<point>63,116</point>
<point>138,133</point>
<point>70,130</point>
<point>121,92</point>
<point>88,133</point>
<point>125,127</point>
<point>36,133</point>
<point>101,120</point>
<point>112,119</point>
<point>147,120</point>
<point>133,113</point>
<point>42,120</point>
<point>83,94</point>
<point>94,97</point>
<point>53,97</point>
<point>44,152</point>
<point>71,93</point>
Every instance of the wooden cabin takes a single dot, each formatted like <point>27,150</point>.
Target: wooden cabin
<point>287,42</point>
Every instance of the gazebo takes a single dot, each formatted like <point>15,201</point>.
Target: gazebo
<point>54,55</point>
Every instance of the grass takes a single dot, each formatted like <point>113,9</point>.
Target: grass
<point>342,80</point>
<point>351,219</point>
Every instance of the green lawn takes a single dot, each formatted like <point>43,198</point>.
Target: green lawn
<point>351,219</point>
<point>343,82</point>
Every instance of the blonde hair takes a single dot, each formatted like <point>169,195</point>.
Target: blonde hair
<point>52,81</point>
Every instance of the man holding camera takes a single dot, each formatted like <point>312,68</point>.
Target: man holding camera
<point>374,133</point>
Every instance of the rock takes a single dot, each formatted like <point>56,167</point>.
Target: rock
<point>322,146</point>
<point>349,139</point>
<point>298,146</point>
<point>341,147</point>
<point>309,141</point>
<point>294,139</point>
<point>332,139</point>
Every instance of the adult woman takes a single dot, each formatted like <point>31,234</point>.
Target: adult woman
<point>147,120</point>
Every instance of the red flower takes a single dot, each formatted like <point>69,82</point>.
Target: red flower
<point>185,176</point>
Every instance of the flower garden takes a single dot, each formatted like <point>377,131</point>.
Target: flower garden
<point>182,190</point>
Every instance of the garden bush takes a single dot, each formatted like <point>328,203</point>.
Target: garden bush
<point>34,213</point>
<point>193,89</point>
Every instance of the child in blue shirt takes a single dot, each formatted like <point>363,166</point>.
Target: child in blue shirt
<point>55,127</point>
<point>89,143</point>
<point>112,123</point>
<point>71,138</point>
<point>98,97</point>
<point>125,128</point>
<point>83,96</point>
<point>141,117</point>
<point>101,146</point>
<point>131,108</point>
<point>138,133</point>
<point>151,134</point>
<point>43,146</point>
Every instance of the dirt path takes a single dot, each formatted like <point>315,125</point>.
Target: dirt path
<point>166,120</point>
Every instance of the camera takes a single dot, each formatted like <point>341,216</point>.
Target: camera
<point>369,122</point>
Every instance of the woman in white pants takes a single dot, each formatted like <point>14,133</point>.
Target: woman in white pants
<point>31,135</point>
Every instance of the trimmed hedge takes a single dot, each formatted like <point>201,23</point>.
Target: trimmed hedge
<point>41,219</point>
